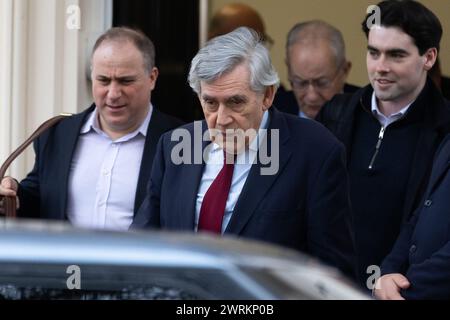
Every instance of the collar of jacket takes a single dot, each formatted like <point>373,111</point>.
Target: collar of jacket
<point>437,113</point>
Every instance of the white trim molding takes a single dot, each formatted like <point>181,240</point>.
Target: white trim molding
<point>13,83</point>
<point>204,22</point>
<point>44,59</point>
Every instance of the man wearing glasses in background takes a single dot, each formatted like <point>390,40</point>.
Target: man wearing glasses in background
<point>317,68</point>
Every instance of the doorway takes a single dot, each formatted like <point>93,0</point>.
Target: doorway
<point>173,26</point>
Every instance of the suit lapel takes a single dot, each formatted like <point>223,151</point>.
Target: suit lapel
<point>157,126</point>
<point>257,185</point>
<point>191,178</point>
<point>421,168</point>
<point>441,166</point>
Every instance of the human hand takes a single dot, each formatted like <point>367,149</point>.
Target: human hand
<point>8,187</point>
<point>388,286</point>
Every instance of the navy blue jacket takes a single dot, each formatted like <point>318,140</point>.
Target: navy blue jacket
<point>304,205</point>
<point>43,192</point>
<point>422,251</point>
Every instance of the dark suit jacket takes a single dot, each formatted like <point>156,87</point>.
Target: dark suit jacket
<point>422,251</point>
<point>285,100</point>
<point>445,87</point>
<point>304,205</point>
<point>43,193</point>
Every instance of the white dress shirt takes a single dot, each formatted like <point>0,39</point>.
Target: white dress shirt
<point>303,115</point>
<point>103,176</point>
<point>385,121</point>
<point>242,166</point>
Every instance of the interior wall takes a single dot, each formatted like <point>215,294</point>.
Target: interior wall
<point>347,15</point>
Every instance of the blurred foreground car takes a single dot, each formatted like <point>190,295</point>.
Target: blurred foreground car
<point>46,260</point>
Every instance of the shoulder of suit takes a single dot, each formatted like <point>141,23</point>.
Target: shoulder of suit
<point>170,121</point>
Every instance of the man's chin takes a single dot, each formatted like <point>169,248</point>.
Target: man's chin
<point>312,111</point>
<point>384,95</point>
<point>230,147</point>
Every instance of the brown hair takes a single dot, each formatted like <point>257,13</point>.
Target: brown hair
<point>136,37</point>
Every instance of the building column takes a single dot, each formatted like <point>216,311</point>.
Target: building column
<point>45,62</point>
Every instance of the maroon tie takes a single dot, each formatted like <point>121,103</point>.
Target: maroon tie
<point>213,205</point>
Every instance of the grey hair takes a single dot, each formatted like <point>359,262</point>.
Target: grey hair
<point>222,54</point>
<point>314,30</point>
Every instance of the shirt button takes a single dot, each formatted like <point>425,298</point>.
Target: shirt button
<point>105,172</point>
<point>428,203</point>
<point>412,249</point>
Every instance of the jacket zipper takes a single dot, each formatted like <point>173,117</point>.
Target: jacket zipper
<point>377,147</point>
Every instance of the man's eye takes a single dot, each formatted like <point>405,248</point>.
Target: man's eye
<point>127,81</point>
<point>103,81</point>
<point>299,84</point>
<point>235,102</point>
<point>373,53</point>
<point>323,83</point>
<point>397,55</point>
<point>210,104</point>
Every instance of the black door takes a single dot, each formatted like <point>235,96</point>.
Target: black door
<point>173,27</point>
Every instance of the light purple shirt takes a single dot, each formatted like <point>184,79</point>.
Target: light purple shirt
<point>103,176</point>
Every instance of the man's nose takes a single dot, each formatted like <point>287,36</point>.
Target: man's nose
<point>382,65</point>
<point>312,94</point>
<point>223,116</point>
<point>114,91</point>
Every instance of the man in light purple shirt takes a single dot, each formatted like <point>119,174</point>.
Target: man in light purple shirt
<point>93,167</point>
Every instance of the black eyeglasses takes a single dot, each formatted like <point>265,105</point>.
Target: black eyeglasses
<point>319,84</point>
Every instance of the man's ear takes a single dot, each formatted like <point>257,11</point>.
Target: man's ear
<point>347,67</point>
<point>269,95</point>
<point>153,76</point>
<point>288,67</point>
<point>430,57</point>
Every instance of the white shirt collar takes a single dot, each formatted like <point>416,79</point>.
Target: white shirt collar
<point>301,114</point>
<point>387,120</point>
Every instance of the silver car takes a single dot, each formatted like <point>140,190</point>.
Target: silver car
<point>52,260</point>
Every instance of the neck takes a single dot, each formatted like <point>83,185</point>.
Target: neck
<point>118,132</point>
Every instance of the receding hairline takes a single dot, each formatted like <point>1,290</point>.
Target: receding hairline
<point>123,35</point>
<point>118,42</point>
<point>315,33</point>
